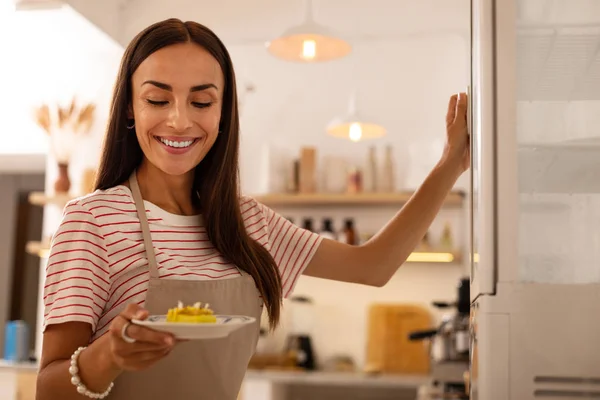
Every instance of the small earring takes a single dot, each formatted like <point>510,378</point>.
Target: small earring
<point>132,125</point>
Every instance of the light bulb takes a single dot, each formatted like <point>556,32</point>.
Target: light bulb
<point>355,132</point>
<point>309,49</point>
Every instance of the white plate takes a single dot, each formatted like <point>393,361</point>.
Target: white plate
<point>223,327</point>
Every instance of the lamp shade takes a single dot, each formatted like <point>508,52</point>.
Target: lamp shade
<point>356,130</point>
<point>309,42</point>
<point>354,126</point>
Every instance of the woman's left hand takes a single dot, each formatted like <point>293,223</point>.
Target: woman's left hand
<point>457,152</point>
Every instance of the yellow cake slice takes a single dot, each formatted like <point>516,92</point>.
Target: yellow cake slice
<point>195,314</point>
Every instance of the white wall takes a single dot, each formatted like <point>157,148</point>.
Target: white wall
<point>405,85</point>
<point>52,56</point>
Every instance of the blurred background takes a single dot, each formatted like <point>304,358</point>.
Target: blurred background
<point>335,145</point>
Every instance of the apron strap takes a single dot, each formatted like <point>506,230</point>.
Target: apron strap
<point>141,211</point>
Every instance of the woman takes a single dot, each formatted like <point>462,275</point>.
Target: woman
<point>167,223</point>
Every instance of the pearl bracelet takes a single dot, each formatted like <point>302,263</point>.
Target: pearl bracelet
<point>75,380</point>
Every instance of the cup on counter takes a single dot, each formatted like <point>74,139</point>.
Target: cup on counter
<point>16,341</point>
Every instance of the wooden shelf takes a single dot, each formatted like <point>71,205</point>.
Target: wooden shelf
<point>41,250</point>
<point>41,199</point>
<point>38,249</point>
<point>454,199</point>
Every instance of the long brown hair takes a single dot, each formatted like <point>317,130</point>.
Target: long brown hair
<point>216,183</point>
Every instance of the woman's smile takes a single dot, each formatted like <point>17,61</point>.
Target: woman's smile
<point>177,145</point>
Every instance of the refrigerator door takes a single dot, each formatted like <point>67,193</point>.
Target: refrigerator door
<point>555,106</point>
<point>535,133</point>
<point>482,129</point>
<point>537,335</point>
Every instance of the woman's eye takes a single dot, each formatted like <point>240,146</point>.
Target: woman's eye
<point>201,105</point>
<point>157,103</point>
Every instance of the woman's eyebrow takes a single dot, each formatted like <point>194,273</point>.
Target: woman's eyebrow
<point>164,86</point>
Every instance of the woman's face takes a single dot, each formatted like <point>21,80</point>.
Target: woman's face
<point>177,94</point>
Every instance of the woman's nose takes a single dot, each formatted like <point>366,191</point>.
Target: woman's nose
<point>179,118</point>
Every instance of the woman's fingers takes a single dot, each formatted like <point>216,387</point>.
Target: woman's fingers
<point>460,115</point>
<point>134,347</point>
<point>143,334</point>
<point>450,115</point>
<point>140,334</point>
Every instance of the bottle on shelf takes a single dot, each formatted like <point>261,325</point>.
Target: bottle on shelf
<point>370,172</point>
<point>348,234</point>
<point>293,179</point>
<point>354,181</point>
<point>446,240</point>
<point>387,182</point>
<point>327,229</point>
<point>307,173</point>
<point>307,223</point>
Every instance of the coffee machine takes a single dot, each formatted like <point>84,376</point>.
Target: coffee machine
<point>299,341</point>
<point>449,346</point>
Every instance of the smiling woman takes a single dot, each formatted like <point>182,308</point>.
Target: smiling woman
<point>167,224</point>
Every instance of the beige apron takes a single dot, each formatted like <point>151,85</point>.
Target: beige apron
<point>198,369</point>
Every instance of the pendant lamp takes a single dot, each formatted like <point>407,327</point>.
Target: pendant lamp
<point>354,126</point>
<point>308,42</point>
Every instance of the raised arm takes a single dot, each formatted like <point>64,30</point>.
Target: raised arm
<point>376,261</point>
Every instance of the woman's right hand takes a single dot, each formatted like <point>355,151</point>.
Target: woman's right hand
<point>149,347</point>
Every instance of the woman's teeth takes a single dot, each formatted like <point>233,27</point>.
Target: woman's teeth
<point>175,144</point>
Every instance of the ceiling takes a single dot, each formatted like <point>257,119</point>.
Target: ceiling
<point>243,22</point>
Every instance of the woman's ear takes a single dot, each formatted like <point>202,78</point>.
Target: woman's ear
<point>130,120</point>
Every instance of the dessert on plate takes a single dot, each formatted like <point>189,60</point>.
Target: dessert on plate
<point>195,314</point>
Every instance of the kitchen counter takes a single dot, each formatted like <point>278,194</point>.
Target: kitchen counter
<point>267,384</point>
<point>18,366</point>
<point>17,380</point>
<point>291,385</point>
<point>347,379</point>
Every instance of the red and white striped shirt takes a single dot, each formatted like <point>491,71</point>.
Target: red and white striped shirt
<point>97,263</point>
